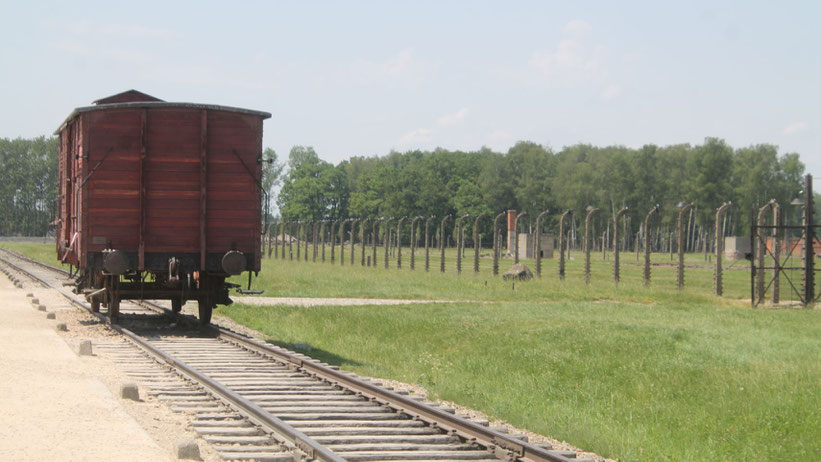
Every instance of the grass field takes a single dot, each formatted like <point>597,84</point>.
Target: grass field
<point>629,372</point>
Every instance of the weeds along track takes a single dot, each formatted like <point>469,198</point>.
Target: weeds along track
<point>253,401</point>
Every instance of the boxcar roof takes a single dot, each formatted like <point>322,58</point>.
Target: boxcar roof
<point>158,104</point>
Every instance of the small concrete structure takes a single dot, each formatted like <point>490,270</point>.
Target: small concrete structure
<point>130,391</point>
<point>187,449</point>
<point>62,327</point>
<point>527,245</point>
<point>85,348</point>
<point>51,315</point>
<point>737,247</point>
<point>41,307</point>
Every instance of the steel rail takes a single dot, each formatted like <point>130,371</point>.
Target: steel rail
<point>437,418</point>
<point>503,445</point>
<point>245,407</point>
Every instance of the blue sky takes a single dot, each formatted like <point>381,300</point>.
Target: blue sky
<point>363,78</point>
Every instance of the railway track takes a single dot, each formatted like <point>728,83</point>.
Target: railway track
<point>253,401</point>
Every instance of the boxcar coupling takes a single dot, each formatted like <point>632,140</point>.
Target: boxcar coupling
<point>159,200</point>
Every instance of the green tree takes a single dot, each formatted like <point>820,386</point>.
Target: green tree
<point>271,178</point>
<point>313,189</point>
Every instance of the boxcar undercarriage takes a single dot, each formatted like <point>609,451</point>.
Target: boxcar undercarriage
<point>110,279</point>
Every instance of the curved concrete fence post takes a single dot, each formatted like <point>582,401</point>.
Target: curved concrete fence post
<point>538,243</point>
<point>277,226</point>
<point>476,243</point>
<point>333,235</point>
<point>442,242</point>
<point>387,241</point>
<point>353,240</point>
<point>290,240</point>
<point>683,208</point>
<point>375,239</point>
<point>459,242</point>
<point>616,217</point>
<point>363,239</point>
<point>496,249</point>
<point>314,229</point>
<point>399,242</point>
<point>414,236</point>
<point>342,242</point>
<point>718,277</point>
<point>299,229</point>
<point>588,241</point>
<point>650,214</point>
<point>562,243</point>
<point>427,242</point>
<point>322,238</point>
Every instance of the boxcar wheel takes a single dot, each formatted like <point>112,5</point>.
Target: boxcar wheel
<point>176,305</point>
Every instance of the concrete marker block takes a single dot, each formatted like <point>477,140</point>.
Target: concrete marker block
<point>35,301</point>
<point>41,307</point>
<point>187,449</point>
<point>130,391</point>
<point>51,315</point>
<point>85,348</point>
<point>62,327</point>
<point>30,295</point>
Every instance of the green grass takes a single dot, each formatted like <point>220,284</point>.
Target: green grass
<point>627,371</point>
<point>665,381</point>
<point>299,278</point>
<point>45,253</point>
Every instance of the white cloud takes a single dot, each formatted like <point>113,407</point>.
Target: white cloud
<point>398,64</point>
<point>577,27</point>
<point>136,31</point>
<point>795,127</point>
<point>107,31</point>
<point>421,136</point>
<point>401,70</point>
<point>575,58</point>
<point>610,92</point>
<point>415,138</point>
<point>454,118</point>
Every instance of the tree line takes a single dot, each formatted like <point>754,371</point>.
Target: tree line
<point>28,185</point>
<point>528,177</point>
<point>533,178</point>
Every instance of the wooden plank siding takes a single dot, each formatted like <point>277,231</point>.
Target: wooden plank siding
<point>233,207</point>
<point>150,184</point>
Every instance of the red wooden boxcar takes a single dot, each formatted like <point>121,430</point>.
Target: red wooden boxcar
<point>159,200</point>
